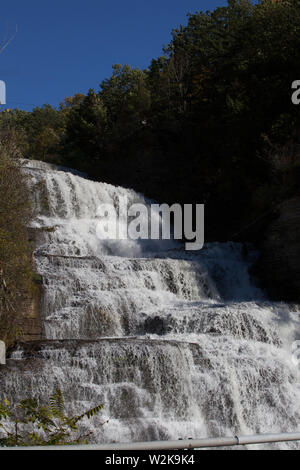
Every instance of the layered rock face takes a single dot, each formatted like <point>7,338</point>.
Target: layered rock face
<point>31,320</point>
<point>279,265</point>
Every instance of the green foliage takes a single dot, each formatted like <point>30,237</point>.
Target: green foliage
<point>39,132</point>
<point>31,424</point>
<point>85,129</point>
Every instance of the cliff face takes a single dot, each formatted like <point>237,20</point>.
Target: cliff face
<point>27,322</point>
<point>31,321</point>
<point>22,321</point>
<point>279,265</point>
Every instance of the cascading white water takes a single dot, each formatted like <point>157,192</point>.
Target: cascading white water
<point>175,345</point>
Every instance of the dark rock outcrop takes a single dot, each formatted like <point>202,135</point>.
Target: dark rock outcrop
<point>278,268</point>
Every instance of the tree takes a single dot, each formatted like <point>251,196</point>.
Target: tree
<point>71,102</point>
<point>46,145</point>
<point>84,139</point>
<point>126,99</point>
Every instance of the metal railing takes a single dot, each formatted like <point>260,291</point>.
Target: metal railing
<point>176,445</point>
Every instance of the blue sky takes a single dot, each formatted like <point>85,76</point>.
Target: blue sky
<point>66,47</point>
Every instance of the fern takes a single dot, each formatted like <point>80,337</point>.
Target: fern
<point>52,426</point>
<point>57,404</point>
<point>89,413</point>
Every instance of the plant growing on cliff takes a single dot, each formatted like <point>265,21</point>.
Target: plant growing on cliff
<point>15,262</point>
<point>32,424</point>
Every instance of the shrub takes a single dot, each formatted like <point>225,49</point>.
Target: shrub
<point>15,259</point>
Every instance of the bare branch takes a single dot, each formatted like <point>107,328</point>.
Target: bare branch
<point>6,42</point>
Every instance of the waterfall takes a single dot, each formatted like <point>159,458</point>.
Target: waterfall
<point>174,344</point>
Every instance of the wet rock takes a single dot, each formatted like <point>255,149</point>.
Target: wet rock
<point>279,265</point>
<point>155,326</point>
